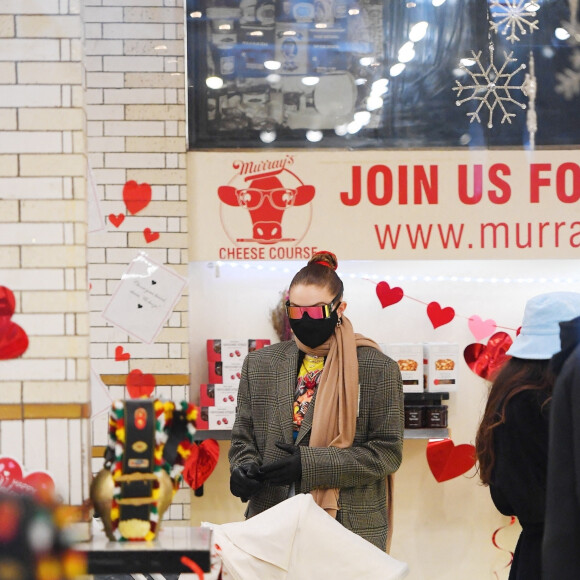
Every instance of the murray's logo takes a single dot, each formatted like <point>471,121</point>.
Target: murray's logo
<point>271,203</point>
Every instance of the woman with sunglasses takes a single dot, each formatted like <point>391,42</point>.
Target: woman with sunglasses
<point>320,414</point>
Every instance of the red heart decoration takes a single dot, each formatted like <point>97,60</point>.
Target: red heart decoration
<point>13,339</point>
<point>42,483</point>
<point>387,295</point>
<point>136,196</point>
<point>481,328</point>
<point>439,316</point>
<point>201,463</point>
<point>140,385</point>
<point>10,472</point>
<point>447,461</point>
<point>121,355</point>
<point>116,220</point>
<point>486,360</point>
<point>150,236</point>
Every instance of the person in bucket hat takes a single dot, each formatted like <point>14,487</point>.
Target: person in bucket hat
<point>512,439</point>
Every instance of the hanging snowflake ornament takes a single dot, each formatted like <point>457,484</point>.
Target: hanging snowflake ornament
<point>568,81</point>
<point>513,16</point>
<point>491,87</point>
<point>531,89</point>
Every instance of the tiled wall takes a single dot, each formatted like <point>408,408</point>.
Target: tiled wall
<point>135,109</point>
<point>97,84</point>
<point>44,395</point>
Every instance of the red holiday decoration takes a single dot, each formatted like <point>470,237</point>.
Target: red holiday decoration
<point>13,339</point>
<point>37,483</point>
<point>486,360</point>
<point>480,328</point>
<point>42,484</point>
<point>121,355</point>
<point>387,295</point>
<point>136,196</point>
<point>140,385</point>
<point>150,236</point>
<point>446,460</point>
<point>439,316</point>
<point>201,463</point>
<point>116,220</point>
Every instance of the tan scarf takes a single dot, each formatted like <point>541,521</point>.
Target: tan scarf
<point>337,399</point>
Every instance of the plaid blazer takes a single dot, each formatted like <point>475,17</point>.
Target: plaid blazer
<point>264,417</point>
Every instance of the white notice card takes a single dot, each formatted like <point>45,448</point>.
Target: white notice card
<point>144,299</point>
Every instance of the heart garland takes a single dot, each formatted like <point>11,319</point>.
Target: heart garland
<point>480,328</point>
<point>439,316</point>
<point>13,338</point>
<point>446,460</point>
<point>486,360</point>
<point>387,295</point>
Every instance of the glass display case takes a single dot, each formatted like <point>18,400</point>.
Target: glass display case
<point>378,73</point>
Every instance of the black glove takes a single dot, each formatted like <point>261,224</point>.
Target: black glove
<point>244,482</point>
<point>284,471</point>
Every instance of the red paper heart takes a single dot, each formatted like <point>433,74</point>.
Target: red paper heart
<point>439,316</point>
<point>140,385</point>
<point>13,339</point>
<point>121,355</point>
<point>447,461</point>
<point>150,236</point>
<point>201,463</point>
<point>486,360</point>
<point>136,196</point>
<point>116,220</point>
<point>387,295</point>
<point>481,328</point>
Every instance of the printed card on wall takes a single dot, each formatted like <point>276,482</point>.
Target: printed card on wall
<point>144,299</point>
<point>95,215</point>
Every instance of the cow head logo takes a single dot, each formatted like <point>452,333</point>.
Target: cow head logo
<point>266,198</point>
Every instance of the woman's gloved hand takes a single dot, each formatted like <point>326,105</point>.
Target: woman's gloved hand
<point>245,481</point>
<point>286,470</point>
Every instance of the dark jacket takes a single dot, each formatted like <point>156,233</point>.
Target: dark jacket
<point>264,416</point>
<point>561,546</point>
<point>518,482</point>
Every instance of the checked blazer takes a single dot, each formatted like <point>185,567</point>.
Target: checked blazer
<point>264,417</point>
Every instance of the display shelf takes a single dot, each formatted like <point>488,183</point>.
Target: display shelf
<point>160,555</point>
<point>424,433</point>
<point>426,398</point>
<point>435,433</point>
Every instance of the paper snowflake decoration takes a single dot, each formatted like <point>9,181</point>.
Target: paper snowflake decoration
<point>513,16</point>
<point>491,87</point>
<point>568,81</point>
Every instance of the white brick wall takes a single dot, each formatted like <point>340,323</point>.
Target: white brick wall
<point>133,106</point>
<point>94,87</point>
<point>43,260</point>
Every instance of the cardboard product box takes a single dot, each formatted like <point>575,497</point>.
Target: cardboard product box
<point>226,349</point>
<point>291,48</point>
<point>409,357</point>
<point>225,372</point>
<point>222,396</point>
<point>215,418</point>
<point>441,366</point>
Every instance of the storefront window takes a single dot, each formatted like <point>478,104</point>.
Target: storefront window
<point>372,73</point>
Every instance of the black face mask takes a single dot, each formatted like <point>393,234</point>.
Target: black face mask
<point>313,332</point>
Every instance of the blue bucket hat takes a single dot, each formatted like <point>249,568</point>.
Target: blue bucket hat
<point>539,337</point>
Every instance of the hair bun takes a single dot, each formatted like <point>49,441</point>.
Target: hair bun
<point>324,258</point>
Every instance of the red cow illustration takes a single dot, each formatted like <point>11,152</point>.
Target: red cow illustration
<point>266,199</point>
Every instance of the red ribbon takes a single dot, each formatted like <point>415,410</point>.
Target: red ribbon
<point>192,566</point>
<point>493,536</point>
